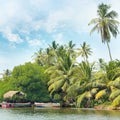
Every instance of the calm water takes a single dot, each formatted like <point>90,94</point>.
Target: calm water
<point>57,114</point>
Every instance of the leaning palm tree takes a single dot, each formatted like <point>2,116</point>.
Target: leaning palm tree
<point>105,24</point>
<point>81,83</point>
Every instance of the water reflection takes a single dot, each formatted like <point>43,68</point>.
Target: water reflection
<point>58,114</point>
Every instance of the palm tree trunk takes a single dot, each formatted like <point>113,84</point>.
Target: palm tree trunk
<point>109,51</point>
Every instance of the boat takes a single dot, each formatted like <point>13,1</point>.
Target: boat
<point>46,105</point>
<point>15,105</point>
<point>7,105</point>
<point>22,104</point>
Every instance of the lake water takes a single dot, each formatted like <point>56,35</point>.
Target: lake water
<point>57,114</point>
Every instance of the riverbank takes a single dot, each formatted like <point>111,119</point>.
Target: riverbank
<point>104,107</point>
<point>53,105</point>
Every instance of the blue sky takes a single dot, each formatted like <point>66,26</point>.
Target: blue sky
<point>27,25</point>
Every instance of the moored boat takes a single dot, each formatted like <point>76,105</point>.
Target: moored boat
<point>14,105</point>
<point>7,105</point>
<point>46,105</point>
<point>22,104</point>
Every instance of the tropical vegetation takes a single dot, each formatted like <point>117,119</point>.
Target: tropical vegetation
<point>105,24</point>
<point>63,73</point>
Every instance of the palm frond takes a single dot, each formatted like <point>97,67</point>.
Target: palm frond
<point>72,91</point>
<point>65,86</point>
<point>56,85</point>
<point>50,70</point>
<point>100,94</point>
<point>55,79</point>
<point>94,29</point>
<point>113,27</point>
<point>88,95</point>
<point>112,14</point>
<point>116,83</point>
<point>94,91</point>
<point>116,101</point>
<point>114,94</point>
<point>80,98</point>
<point>99,84</point>
<point>94,21</point>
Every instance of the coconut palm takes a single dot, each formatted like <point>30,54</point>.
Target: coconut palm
<point>60,74</point>
<point>70,46</point>
<point>39,57</point>
<point>80,83</point>
<point>102,65</point>
<point>105,24</point>
<point>54,45</point>
<point>47,56</point>
<point>85,51</point>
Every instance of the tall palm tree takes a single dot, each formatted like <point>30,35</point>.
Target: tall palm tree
<point>85,51</point>
<point>105,24</point>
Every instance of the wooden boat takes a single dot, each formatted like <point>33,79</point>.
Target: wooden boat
<point>14,105</point>
<point>22,104</point>
<point>46,105</point>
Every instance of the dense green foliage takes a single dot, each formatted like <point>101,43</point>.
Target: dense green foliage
<point>30,79</point>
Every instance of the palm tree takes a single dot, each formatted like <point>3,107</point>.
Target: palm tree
<point>70,46</point>
<point>85,51</point>
<point>105,24</point>
<point>60,73</point>
<point>59,77</point>
<point>6,74</point>
<point>81,85</point>
<point>40,57</point>
<point>47,56</point>
<point>54,45</point>
<point>102,65</point>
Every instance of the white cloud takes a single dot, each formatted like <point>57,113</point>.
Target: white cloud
<point>55,21</point>
<point>38,15</point>
<point>73,16</point>
<point>34,42</point>
<point>12,37</point>
<point>35,15</point>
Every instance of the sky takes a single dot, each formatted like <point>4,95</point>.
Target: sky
<point>28,25</point>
